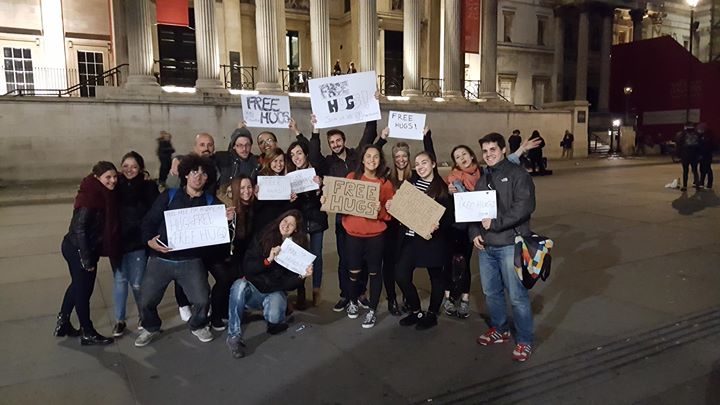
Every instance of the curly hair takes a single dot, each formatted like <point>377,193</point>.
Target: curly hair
<point>194,162</point>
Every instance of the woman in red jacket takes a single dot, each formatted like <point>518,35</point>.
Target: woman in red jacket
<point>365,236</point>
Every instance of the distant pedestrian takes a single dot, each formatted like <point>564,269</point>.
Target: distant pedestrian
<point>337,69</point>
<point>351,68</point>
<point>707,146</point>
<point>688,145</point>
<point>537,164</point>
<point>567,145</point>
<point>164,153</point>
<point>514,140</point>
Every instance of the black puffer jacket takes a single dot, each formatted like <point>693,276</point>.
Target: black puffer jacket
<point>135,197</point>
<point>267,279</point>
<point>309,204</point>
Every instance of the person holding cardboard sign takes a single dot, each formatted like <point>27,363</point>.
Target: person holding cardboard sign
<point>265,280</point>
<point>365,240</point>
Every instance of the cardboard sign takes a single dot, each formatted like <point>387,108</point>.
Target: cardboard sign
<point>406,125</point>
<point>474,206</point>
<point>189,228</point>
<point>294,258</point>
<point>266,111</point>
<point>273,187</point>
<point>351,197</point>
<point>416,210</point>
<point>344,100</point>
<point>302,180</point>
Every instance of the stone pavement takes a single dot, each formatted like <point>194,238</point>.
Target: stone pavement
<point>631,314</point>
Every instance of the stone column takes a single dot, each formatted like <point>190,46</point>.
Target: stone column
<point>266,28</point>
<point>605,47</point>
<point>411,48</point>
<point>637,19</point>
<point>452,51</point>
<point>55,74</point>
<point>206,46</point>
<point>320,37</point>
<point>140,44</point>
<point>558,57</point>
<point>488,50</point>
<point>581,69</point>
<point>368,35</point>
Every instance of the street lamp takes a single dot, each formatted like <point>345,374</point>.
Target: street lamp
<point>693,27</point>
<point>613,134</point>
<point>628,91</point>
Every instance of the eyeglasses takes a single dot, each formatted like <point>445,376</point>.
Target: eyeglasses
<point>266,141</point>
<point>197,173</point>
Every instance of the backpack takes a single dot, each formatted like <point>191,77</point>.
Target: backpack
<point>691,138</point>
<point>173,191</point>
<point>532,258</point>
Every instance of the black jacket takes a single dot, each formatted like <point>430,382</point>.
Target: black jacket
<point>267,279</point>
<point>86,234</point>
<point>135,197</point>
<point>515,193</point>
<point>309,202</point>
<point>337,167</point>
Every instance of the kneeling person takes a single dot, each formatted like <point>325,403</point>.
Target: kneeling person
<point>185,267</point>
<point>266,281</point>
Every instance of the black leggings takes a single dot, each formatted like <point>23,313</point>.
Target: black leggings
<point>225,275</point>
<point>81,287</point>
<point>404,275</point>
<point>689,163</point>
<point>390,258</point>
<point>370,252</point>
<point>461,247</point>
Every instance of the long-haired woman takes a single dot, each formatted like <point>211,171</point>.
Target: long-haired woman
<point>266,211</point>
<point>365,236</point>
<point>135,196</point>
<point>94,232</point>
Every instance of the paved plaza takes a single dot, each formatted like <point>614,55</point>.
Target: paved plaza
<point>631,314</point>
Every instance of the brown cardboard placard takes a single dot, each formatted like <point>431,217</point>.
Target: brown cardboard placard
<point>351,197</point>
<point>416,210</point>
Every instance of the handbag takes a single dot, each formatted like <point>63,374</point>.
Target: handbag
<point>532,258</point>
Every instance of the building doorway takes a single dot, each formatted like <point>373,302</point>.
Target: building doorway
<point>178,60</point>
<point>393,84</point>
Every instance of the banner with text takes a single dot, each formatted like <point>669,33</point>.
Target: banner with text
<point>406,125</point>
<point>416,210</point>
<point>195,227</point>
<point>303,180</point>
<point>474,206</point>
<point>266,111</point>
<point>344,100</point>
<point>273,187</point>
<point>352,197</point>
<point>294,258</point>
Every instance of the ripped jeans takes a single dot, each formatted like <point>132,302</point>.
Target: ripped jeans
<point>128,271</point>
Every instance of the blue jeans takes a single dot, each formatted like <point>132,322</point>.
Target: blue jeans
<point>244,295</point>
<point>128,270</point>
<point>497,272</point>
<point>316,247</point>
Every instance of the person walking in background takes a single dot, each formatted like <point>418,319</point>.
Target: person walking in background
<point>707,146</point>
<point>94,232</point>
<point>537,164</point>
<point>164,153</point>
<point>567,145</point>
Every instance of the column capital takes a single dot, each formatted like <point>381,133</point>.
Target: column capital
<point>637,15</point>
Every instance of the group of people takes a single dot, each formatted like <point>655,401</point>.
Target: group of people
<point>120,215</point>
<point>695,146</point>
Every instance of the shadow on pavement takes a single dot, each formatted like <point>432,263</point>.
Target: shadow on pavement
<point>689,205</point>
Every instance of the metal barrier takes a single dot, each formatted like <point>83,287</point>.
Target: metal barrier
<point>239,77</point>
<point>472,89</point>
<point>431,87</point>
<point>76,87</point>
<point>390,85</point>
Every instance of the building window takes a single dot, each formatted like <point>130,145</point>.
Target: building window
<point>506,86</point>
<point>508,17</point>
<point>397,5</point>
<point>347,6</point>
<point>90,64</point>
<point>541,93</point>
<point>292,44</point>
<point>541,26</point>
<point>18,68</point>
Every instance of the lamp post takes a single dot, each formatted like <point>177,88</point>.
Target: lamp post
<point>615,142</point>
<point>693,27</point>
<point>627,90</point>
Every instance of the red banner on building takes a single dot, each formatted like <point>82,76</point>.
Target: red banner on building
<point>471,26</point>
<point>173,12</point>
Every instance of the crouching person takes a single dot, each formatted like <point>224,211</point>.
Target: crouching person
<point>185,267</point>
<point>266,281</point>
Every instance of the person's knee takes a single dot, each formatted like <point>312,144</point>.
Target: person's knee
<point>354,274</point>
<point>237,289</point>
<point>275,307</point>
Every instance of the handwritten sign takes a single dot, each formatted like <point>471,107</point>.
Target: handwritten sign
<point>474,206</point>
<point>406,125</point>
<point>352,197</point>
<point>294,258</point>
<point>273,188</point>
<point>195,227</point>
<point>344,100</point>
<point>266,111</point>
<point>302,180</point>
<point>416,210</point>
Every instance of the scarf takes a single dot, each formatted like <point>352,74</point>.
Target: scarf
<point>94,195</point>
<point>468,176</point>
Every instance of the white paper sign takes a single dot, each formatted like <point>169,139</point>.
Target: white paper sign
<point>273,188</point>
<point>294,258</point>
<point>474,206</point>
<point>195,227</point>
<point>344,100</point>
<point>406,125</point>
<point>266,111</point>
<point>302,180</point>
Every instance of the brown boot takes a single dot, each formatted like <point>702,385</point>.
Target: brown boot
<point>316,297</point>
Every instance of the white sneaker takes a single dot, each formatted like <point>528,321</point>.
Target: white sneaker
<point>185,313</point>
<point>352,310</point>
<point>370,320</point>
<point>203,334</point>
<point>145,338</point>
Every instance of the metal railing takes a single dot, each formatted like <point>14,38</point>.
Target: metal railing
<point>173,72</point>
<point>237,77</point>
<point>529,107</point>
<point>431,87</point>
<point>472,89</point>
<point>390,85</point>
<point>295,81</point>
<point>76,87</point>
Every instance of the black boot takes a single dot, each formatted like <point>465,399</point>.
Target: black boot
<point>275,328</point>
<point>64,327</point>
<point>393,307</point>
<point>91,337</point>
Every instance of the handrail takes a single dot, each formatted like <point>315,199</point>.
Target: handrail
<point>238,77</point>
<point>115,72</point>
<point>390,85</point>
<point>295,81</point>
<point>431,87</point>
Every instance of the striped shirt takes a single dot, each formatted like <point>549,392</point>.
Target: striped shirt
<point>423,186</point>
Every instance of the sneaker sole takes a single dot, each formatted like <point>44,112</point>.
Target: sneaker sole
<point>494,342</point>
<point>336,309</point>
<point>116,334</point>
<point>352,316</point>
<point>204,340</point>
<point>146,343</point>
<point>366,326</point>
<point>219,328</point>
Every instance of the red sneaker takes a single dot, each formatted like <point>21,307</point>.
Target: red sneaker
<point>522,352</point>
<point>492,336</point>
